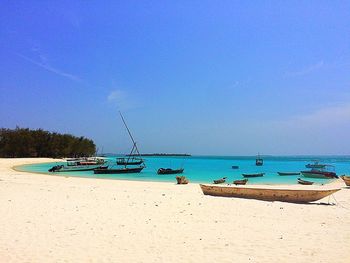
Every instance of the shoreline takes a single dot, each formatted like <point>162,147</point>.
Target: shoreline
<point>338,182</point>
<point>84,220</point>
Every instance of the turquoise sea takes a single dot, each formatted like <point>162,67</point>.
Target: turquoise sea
<point>204,169</point>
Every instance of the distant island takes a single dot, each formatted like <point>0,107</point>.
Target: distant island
<point>161,154</point>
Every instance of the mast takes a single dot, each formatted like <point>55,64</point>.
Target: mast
<point>132,139</point>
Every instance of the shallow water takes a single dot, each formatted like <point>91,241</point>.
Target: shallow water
<point>204,169</point>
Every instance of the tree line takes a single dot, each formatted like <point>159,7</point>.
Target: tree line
<point>23,142</point>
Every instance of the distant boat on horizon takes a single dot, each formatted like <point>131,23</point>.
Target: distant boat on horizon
<point>259,161</point>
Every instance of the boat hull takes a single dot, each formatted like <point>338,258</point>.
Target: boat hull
<point>346,180</point>
<point>253,175</point>
<point>304,182</point>
<point>287,174</point>
<point>240,182</point>
<point>319,174</point>
<point>118,171</point>
<point>83,168</point>
<point>170,171</point>
<point>266,194</point>
<point>129,163</point>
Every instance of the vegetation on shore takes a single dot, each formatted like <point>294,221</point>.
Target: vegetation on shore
<point>23,142</point>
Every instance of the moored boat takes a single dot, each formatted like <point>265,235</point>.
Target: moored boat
<point>253,175</point>
<point>220,181</point>
<point>268,194</point>
<point>319,173</point>
<point>288,173</point>
<point>259,161</point>
<point>240,182</point>
<point>346,179</point>
<point>316,165</point>
<point>129,161</point>
<point>235,167</point>
<point>170,171</point>
<point>125,170</point>
<point>74,168</point>
<point>304,182</point>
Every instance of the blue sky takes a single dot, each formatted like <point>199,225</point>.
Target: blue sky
<point>202,77</point>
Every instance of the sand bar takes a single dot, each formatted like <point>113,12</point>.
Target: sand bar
<point>67,219</point>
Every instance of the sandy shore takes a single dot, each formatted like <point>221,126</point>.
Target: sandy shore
<point>63,219</point>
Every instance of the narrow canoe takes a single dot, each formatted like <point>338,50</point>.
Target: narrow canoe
<point>346,179</point>
<point>268,194</point>
<point>118,171</point>
<point>220,181</point>
<point>253,175</point>
<point>240,182</point>
<point>304,182</point>
<point>170,171</point>
<point>288,173</point>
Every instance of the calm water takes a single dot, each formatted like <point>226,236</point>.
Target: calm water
<point>204,169</point>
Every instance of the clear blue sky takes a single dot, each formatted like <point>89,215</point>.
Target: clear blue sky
<point>202,77</point>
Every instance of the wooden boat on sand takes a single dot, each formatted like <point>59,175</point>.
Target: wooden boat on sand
<point>304,182</point>
<point>288,173</point>
<point>346,179</point>
<point>240,182</point>
<point>181,180</point>
<point>170,171</point>
<point>220,181</point>
<point>268,194</point>
<point>253,175</point>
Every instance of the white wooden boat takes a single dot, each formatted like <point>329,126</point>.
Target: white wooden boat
<point>286,194</point>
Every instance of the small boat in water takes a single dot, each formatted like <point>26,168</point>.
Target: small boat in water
<point>78,165</point>
<point>134,154</point>
<point>288,173</point>
<point>259,161</point>
<point>319,173</point>
<point>316,165</point>
<point>240,182</point>
<point>346,179</point>
<point>220,181</point>
<point>170,171</point>
<point>253,175</point>
<point>125,170</point>
<point>304,182</point>
<point>129,161</point>
<point>268,194</point>
<point>235,167</point>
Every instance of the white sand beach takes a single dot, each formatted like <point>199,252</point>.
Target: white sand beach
<point>63,219</point>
